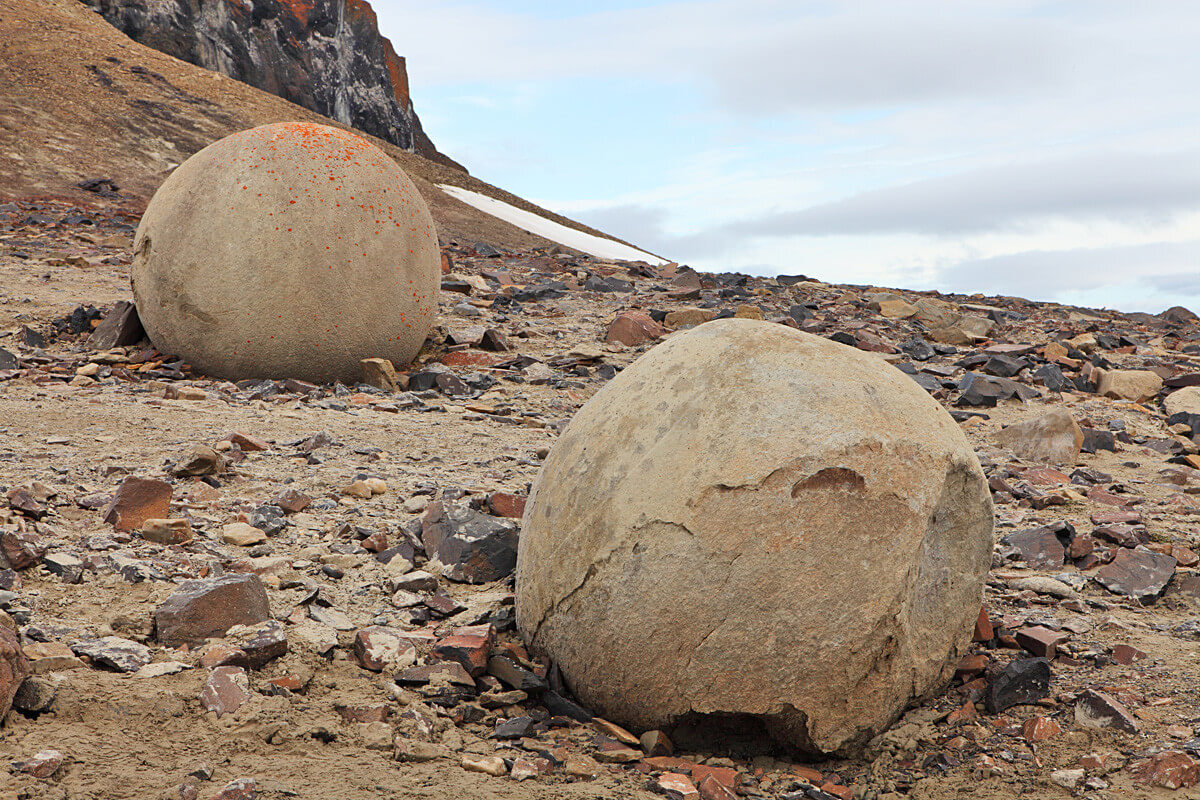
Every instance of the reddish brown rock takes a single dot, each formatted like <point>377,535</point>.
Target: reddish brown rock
<point>1170,769</point>
<point>137,500</point>
<point>207,608</point>
<point>632,328</point>
<point>676,786</point>
<point>21,500</point>
<point>656,743</point>
<point>469,645</point>
<point>1040,641</point>
<point>247,442</point>
<point>503,504</point>
<point>240,789</point>
<point>43,764</point>
<point>226,690</point>
<point>20,550</point>
<point>14,667</point>
<point>1125,655</point>
<point>120,327</point>
<point>712,789</point>
<point>1039,729</point>
<point>377,647</point>
<point>292,501</point>
<point>983,627</point>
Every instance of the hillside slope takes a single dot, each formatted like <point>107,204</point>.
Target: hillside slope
<point>325,55</point>
<point>79,100</point>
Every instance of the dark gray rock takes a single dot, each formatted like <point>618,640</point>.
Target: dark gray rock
<point>473,547</point>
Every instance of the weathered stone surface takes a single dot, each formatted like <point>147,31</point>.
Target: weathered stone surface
<point>14,667</point>
<point>43,764</point>
<point>1137,385</point>
<point>379,647</point>
<point>688,317</point>
<point>1183,401</point>
<point>137,500</point>
<point>262,643</point>
<point>380,373</point>
<point>632,328</point>
<point>1139,573</point>
<point>658,499</point>
<point>1096,709</point>
<point>1170,770</point>
<point>1053,438</point>
<point>1040,548</point>
<point>324,55</point>
<point>472,547</point>
<point>1021,682</point>
<point>226,690</point>
<point>469,645</point>
<point>113,652</point>
<point>119,328</point>
<point>348,280</point>
<point>209,607</point>
<point>167,531</point>
<point>199,459</point>
<point>242,534</point>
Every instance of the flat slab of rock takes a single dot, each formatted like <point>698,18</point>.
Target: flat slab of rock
<point>1096,709</point>
<point>113,652</point>
<point>209,607</point>
<point>1141,574</point>
<point>227,690</point>
<point>137,500</point>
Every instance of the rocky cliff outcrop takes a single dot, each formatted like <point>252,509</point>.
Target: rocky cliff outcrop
<point>325,55</point>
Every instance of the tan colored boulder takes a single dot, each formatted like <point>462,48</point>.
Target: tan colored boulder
<point>1053,438</point>
<point>291,250</point>
<point>14,667</point>
<point>936,313</point>
<point>1136,385</point>
<point>1183,401</point>
<point>951,334</point>
<point>748,311</point>
<point>689,317</point>
<point>380,373</point>
<point>897,309</point>
<point>751,520</point>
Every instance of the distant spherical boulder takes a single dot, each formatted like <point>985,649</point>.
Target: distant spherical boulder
<point>756,527</point>
<point>291,250</point>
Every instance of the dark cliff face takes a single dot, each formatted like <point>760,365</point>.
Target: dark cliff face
<point>325,55</point>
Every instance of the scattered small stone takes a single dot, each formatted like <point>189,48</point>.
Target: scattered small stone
<point>488,765</point>
<point>1096,709</point>
<point>205,608</point>
<point>43,764</point>
<point>226,690</point>
<point>113,652</point>
<point>1022,682</point>
<point>137,500</point>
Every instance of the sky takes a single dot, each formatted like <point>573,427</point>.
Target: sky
<point>1048,150</point>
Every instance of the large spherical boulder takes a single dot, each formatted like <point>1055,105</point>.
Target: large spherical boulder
<point>291,250</point>
<point>751,523</point>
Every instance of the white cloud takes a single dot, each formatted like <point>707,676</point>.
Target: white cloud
<point>887,141</point>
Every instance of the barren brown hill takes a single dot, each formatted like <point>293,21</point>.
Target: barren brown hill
<point>79,100</point>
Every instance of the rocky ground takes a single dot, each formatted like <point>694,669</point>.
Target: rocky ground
<point>274,589</point>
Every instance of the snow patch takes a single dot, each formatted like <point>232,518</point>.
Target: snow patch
<point>549,229</point>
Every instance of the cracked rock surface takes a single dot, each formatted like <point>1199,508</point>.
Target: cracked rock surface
<point>697,541</point>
